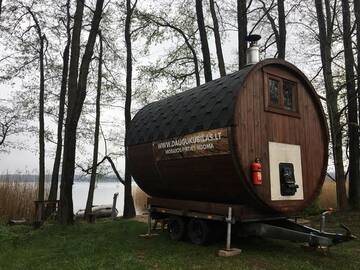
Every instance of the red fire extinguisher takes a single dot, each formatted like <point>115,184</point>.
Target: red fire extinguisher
<point>256,172</point>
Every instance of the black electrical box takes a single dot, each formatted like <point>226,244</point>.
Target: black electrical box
<point>288,186</point>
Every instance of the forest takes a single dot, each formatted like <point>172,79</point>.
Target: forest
<point>74,73</point>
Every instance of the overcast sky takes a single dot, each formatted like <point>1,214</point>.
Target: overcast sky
<point>26,160</point>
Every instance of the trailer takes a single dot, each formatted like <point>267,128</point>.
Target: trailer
<point>249,149</point>
<point>203,222</point>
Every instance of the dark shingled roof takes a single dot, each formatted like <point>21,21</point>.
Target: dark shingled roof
<point>206,107</point>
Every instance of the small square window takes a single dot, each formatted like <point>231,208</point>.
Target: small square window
<point>281,95</point>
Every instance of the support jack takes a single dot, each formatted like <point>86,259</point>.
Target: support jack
<point>228,251</point>
<point>149,233</point>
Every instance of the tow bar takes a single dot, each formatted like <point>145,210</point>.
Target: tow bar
<point>286,229</point>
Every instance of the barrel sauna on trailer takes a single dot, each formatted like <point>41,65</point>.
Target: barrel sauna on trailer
<point>255,141</point>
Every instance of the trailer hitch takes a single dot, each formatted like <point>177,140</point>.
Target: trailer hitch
<point>337,238</point>
<point>348,236</point>
<point>286,229</point>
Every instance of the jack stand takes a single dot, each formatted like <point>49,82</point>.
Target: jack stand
<point>228,251</point>
<point>149,233</point>
<point>323,219</point>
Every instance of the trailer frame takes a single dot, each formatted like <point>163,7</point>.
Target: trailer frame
<point>248,220</point>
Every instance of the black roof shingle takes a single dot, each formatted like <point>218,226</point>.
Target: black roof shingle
<point>206,107</point>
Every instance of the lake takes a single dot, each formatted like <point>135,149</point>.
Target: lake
<point>103,194</point>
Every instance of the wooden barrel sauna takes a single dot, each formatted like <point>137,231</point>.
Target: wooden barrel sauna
<point>200,144</point>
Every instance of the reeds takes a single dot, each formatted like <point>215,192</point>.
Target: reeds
<point>17,200</point>
<point>140,199</point>
<point>327,197</point>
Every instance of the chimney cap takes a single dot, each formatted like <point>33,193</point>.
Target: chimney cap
<point>252,53</point>
<point>253,38</point>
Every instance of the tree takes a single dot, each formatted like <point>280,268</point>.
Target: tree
<point>76,96</point>
<point>204,42</point>
<point>41,110</point>
<point>326,28</point>
<point>10,124</point>
<point>242,32</point>
<point>90,197</point>
<point>129,208</point>
<point>61,114</point>
<point>67,175</point>
<point>7,121</point>
<point>41,41</point>
<point>216,31</point>
<point>26,26</point>
<point>352,106</point>
<point>162,22</point>
<point>357,22</point>
<point>280,30</point>
<point>281,39</point>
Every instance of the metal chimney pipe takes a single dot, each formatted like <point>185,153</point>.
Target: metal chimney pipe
<point>252,53</point>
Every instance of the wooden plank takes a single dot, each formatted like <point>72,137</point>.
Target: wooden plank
<point>198,144</point>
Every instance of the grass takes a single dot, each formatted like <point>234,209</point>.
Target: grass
<point>116,245</point>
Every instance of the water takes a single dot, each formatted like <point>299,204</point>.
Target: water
<point>103,194</point>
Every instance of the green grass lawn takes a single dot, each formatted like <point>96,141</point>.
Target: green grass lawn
<point>117,245</point>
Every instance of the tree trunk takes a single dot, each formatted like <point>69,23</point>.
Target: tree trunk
<point>219,52</point>
<point>0,7</point>
<point>67,175</point>
<point>41,124</point>
<point>282,30</point>
<point>77,94</point>
<point>57,160</point>
<point>90,197</point>
<point>357,22</point>
<point>41,182</point>
<point>280,34</point>
<point>337,144</point>
<point>242,31</point>
<point>196,62</point>
<point>353,130</point>
<point>204,41</point>
<point>129,208</point>
<point>325,38</point>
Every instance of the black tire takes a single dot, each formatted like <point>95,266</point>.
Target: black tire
<point>176,228</point>
<point>198,231</point>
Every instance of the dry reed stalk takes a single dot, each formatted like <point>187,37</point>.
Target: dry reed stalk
<point>17,200</point>
<point>327,197</point>
<point>140,199</point>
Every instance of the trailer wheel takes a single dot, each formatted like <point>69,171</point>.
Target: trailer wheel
<point>198,231</point>
<point>176,228</point>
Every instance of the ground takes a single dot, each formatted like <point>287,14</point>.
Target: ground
<point>117,245</point>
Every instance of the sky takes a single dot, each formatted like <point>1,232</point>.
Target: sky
<point>26,159</point>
